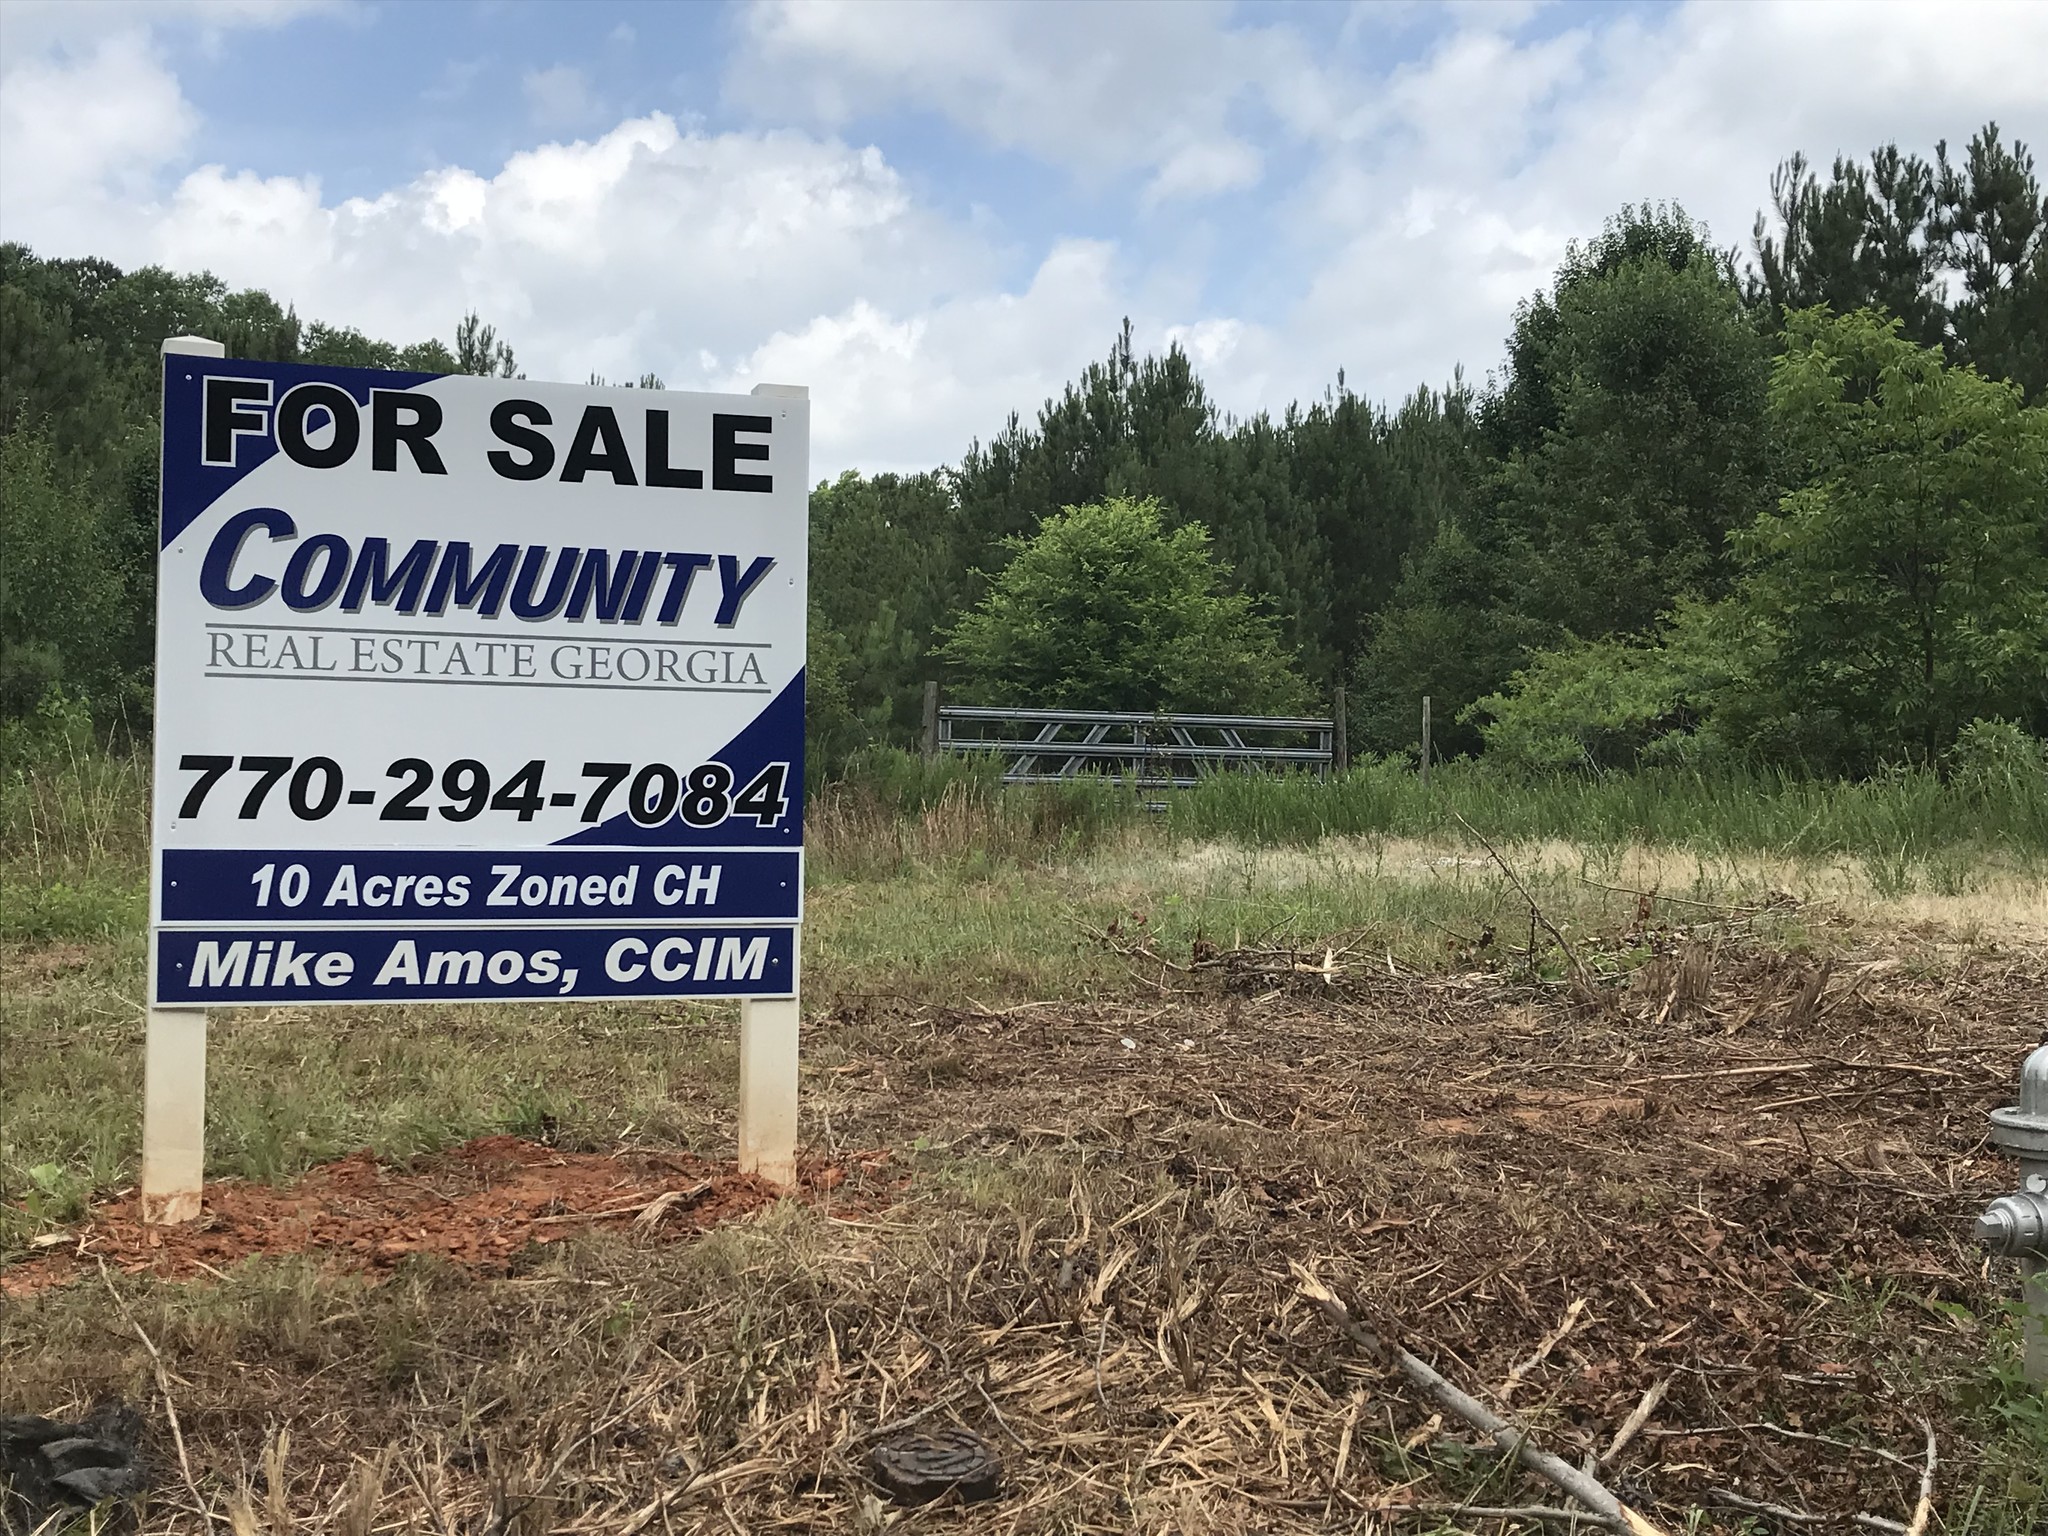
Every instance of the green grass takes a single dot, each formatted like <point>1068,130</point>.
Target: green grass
<point>2010,1417</point>
<point>929,883</point>
<point>1912,822</point>
<point>74,835</point>
<point>292,1087</point>
<point>935,887</point>
<point>74,823</point>
<point>288,1088</point>
<point>1911,814</point>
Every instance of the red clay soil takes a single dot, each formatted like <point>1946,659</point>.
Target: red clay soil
<point>477,1205</point>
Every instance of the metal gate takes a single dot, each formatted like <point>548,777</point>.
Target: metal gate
<point>1156,751</point>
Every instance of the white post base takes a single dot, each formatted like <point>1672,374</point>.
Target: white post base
<point>173,1114</point>
<point>768,1043</point>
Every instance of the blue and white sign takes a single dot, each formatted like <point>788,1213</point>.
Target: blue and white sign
<point>440,657</point>
<point>226,966</point>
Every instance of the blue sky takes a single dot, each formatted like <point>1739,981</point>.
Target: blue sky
<point>371,96</point>
<point>933,214</point>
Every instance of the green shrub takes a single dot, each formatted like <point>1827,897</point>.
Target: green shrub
<point>63,603</point>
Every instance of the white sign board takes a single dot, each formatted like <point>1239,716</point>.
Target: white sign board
<point>475,689</point>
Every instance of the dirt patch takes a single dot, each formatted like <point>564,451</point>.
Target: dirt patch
<point>478,1205</point>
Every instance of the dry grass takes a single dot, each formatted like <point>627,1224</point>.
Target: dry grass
<point>1081,1171</point>
<point>1974,900</point>
<point>1082,1247</point>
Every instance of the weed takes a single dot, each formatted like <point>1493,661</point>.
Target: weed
<point>535,1111</point>
<point>54,1195</point>
<point>1891,871</point>
<point>2010,1415</point>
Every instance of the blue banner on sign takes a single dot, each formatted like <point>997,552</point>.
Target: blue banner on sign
<point>224,967</point>
<point>548,886</point>
<point>775,736</point>
<point>194,480</point>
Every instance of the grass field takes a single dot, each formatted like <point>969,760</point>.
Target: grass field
<point>1082,1087</point>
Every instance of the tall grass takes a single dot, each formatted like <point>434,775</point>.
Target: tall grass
<point>74,829</point>
<point>1911,814</point>
<point>895,814</point>
<point>74,819</point>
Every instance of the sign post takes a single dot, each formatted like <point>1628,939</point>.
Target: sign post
<point>768,1074</point>
<point>473,690</point>
<point>174,1046</point>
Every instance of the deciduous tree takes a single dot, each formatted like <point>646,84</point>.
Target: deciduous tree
<point>1105,607</point>
<point>1905,572</point>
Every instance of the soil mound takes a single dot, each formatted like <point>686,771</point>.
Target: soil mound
<point>477,1205</point>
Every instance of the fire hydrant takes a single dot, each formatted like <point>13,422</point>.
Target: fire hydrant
<point>2016,1226</point>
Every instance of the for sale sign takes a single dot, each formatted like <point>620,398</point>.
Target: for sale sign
<point>476,688</point>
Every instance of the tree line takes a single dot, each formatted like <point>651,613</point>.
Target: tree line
<point>1788,507</point>
<point>80,380</point>
<point>1790,504</point>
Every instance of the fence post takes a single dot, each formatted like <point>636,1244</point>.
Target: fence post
<point>1425,741</point>
<point>931,721</point>
<point>1340,737</point>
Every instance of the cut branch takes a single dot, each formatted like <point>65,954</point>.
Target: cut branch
<point>1518,1374</point>
<point>1730,1499</point>
<point>1923,1511</point>
<point>1509,1436</point>
<point>163,1385</point>
<point>1582,979</point>
<point>1541,1512</point>
<point>1635,1421</point>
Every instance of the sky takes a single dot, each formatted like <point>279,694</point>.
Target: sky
<point>935,214</point>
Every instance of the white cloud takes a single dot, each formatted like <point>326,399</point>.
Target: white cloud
<point>1102,90</point>
<point>1209,344</point>
<point>1202,170</point>
<point>87,129</point>
<point>1453,193</point>
<point>649,247</point>
<point>1405,212</point>
<point>886,389</point>
<point>1387,219</point>
<point>617,254</point>
<point>89,111</point>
